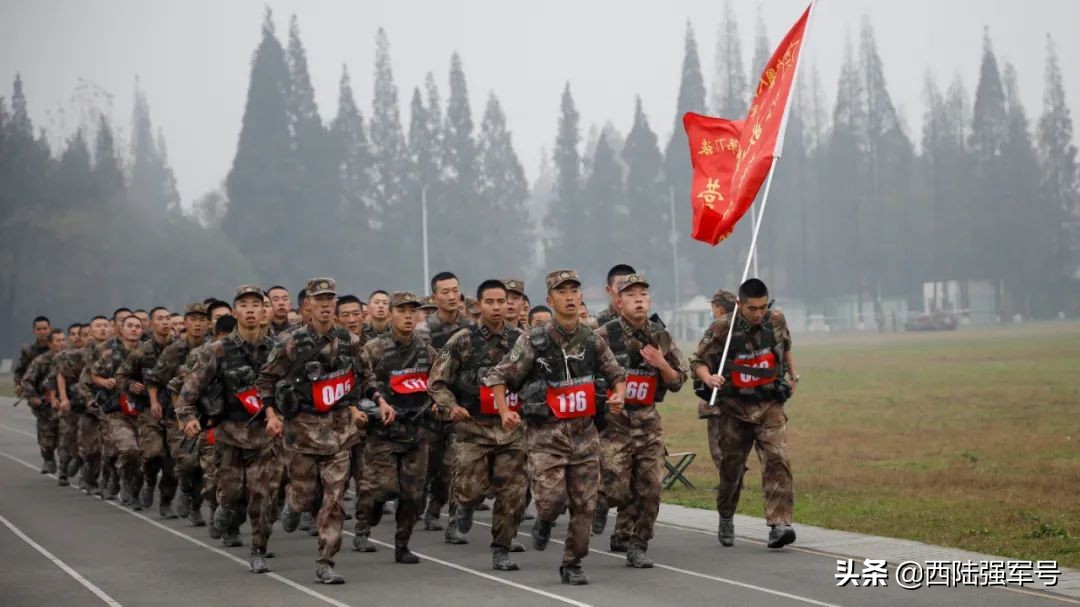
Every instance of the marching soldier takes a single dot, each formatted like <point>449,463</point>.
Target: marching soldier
<point>558,370</point>
<point>450,318</point>
<point>70,405</point>
<point>517,311</point>
<point>279,309</point>
<point>37,388</point>
<point>612,311</point>
<point>221,385</point>
<point>185,461</point>
<point>756,380</point>
<point>396,457</point>
<point>40,345</point>
<point>632,443</point>
<point>378,315</point>
<point>153,447</point>
<point>311,384</point>
<point>120,412</point>
<point>488,456</point>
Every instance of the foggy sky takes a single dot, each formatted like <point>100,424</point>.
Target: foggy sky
<point>193,57</point>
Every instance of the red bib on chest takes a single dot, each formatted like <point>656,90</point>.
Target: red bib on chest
<point>409,381</point>
<point>127,406</point>
<point>250,400</point>
<point>573,398</point>
<point>762,359</point>
<point>641,387</point>
<point>328,391</point>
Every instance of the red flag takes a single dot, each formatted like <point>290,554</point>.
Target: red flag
<point>732,158</point>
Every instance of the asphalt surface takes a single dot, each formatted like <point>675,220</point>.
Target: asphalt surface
<point>59,547</point>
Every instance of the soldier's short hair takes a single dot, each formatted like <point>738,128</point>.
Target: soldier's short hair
<point>301,295</point>
<point>752,289</point>
<point>214,305</point>
<point>538,310</point>
<point>617,270</point>
<point>156,308</point>
<point>56,332</point>
<point>117,312</point>
<point>441,276</point>
<point>348,299</point>
<point>44,319</point>
<point>490,283</point>
<point>74,325</point>
<point>276,287</point>
<point>225,324</point>
<point>98,317</point>
<point>378,292</point>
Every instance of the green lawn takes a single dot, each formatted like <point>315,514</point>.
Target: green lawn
<point>965,439</point>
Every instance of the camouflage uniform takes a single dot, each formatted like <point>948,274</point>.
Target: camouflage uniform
<point>609,314</point>
<point>69,364</point>
<point>632,444</point>
<point>745,415</point>
<point>35,384</point>
<point>488,457</point>
<point>185,461</point>
<point>92,421</point>
<point>26,356</point>
<point>439,435</point>
<point>564,454</point>
<point>275,329</point>
<point>122,432</point>
<point>369,332</point>
<point>396,459</point>
<point>248,468</point>
<point>153,452</point>
<point>320,432</point>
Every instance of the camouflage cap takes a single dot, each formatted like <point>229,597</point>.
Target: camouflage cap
<point>724,299</point>
<point>404,298</point>
<point>556,278</point>
<point>428,302</point>
<point>319,286</point>
<point>243,290</point>
<point>197,308</point>
<point>625,282</point>
<point>514,285</point>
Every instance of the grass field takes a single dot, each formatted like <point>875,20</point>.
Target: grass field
<point>968,439</point>
<point>6,387</point>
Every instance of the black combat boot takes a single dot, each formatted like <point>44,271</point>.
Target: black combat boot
<point>541,533</point>
<point>573,576</point>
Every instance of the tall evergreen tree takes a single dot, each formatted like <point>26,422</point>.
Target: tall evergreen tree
<point>1057,156</point>
<point>677,172</point>
<point>648,206</point>
<point>353,163</point>
<point>730,89</point>
<point>395,216</point>
<point>153,185</point>
<point>261,185</point>
<point>762,51</point>
<point>425,174</point>
<point>504,190</point>
<point>565,229</point>
<point>604,215</point>
<point>108,177</point>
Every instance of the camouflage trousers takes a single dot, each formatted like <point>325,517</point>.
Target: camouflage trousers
<point>48,428</point>
<point>208,462</point>
<point>154,456</point>
<point>491,458</point>
<point>356,472</point>
<point>307,474</point>
<point>633,467</point>
<point>730,441</point>
<point>564,464</point>
<point>67,445</point>
<point>392,470</point>
<point>89,445</point>
<point>124,440</point>
<point>247,481</point>
<point>440,469</point>
<point>186,460</point>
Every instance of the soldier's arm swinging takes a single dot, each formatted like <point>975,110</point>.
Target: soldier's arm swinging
<point>61,389</point>
<point>510,419</point>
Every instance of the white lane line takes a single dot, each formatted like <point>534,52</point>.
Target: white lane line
<point>706,576</point>
<point>274,576</point>
<point>18,431</point>
<point>108,600</point>
<point>487,576</point>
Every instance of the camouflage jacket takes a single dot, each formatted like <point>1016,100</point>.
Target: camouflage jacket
<point>407,353</point>
<point>275,329</point>
<point>166,368</point>
<point>89,355</point>
<point>26,356</point>
<point>436,332</point>
<point>607,315</point>
<point>207,365</point>
<point>35,380</point>
<point>312,433</point>
<point>70,363</point>
<point>627,350</point>
<point>711,347</point>
<point>520,364</point>
<point>369,331</point>
<point>137,365</point>
<point>108,359</point>
<point>458,352</point>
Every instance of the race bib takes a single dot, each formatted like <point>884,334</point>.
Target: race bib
<point>765,359</point>
<point>326,392</point>
<point>641,387</point>
<point>210,438</point>
<point>127,406</point>
<point>250,400</point>
<point>487,401</point>
<point>409,381</point>
<point>572,399</point>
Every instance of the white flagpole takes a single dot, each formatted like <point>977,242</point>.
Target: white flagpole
<point>764,200</point>
<point>423,221</point>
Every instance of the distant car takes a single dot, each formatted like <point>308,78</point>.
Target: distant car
<point>938,321</point>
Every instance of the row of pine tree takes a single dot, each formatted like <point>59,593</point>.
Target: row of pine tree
<point>861,207</point>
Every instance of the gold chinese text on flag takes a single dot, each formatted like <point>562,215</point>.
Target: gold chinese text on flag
<point>731,158</point>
